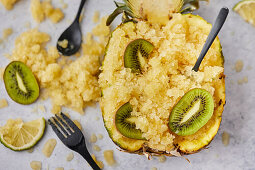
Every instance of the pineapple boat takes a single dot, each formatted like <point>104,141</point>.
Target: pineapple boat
<point>152,102</point>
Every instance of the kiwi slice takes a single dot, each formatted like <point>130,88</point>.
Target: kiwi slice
<point>192,112</point>
<point>125,122</point>
<point>134,53</point>
<point>20,83</point>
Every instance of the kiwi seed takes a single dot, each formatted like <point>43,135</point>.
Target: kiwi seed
<point>20,83</point>
<point>192,112</point>
<point>125,124</point>
<point>135,52</point>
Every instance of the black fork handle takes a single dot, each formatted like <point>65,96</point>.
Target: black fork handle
<point>85,154</point>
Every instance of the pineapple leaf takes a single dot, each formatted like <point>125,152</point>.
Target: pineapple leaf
<point>127,9</point>
<point>119,4</point>
<point>125,17</point>
<point>115,13</point>
<point>192,1</point>
<point>190,5</point>
<point>188,9</point>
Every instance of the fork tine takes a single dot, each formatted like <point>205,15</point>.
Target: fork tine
<point>70,122</point>
<point>64,124</point>
<point>60,126</point>
<point>56,130</point>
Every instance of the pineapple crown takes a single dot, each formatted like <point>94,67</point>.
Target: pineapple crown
<point>132,10</point>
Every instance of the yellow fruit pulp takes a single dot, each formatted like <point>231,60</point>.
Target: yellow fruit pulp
<point>166,77</point>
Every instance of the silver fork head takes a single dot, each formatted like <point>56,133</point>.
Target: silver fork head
<point>66,130</point>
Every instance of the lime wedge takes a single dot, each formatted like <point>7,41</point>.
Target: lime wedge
<point>18,135</point>
<point>246,9</point>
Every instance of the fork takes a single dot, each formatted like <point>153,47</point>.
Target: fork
<point>71,136</point>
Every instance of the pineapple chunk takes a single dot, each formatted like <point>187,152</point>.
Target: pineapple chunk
<point>36,165</point>
<point>3,103</point>
<point>56,16</point>
<point>37,10</point>
<point>7,32</point>
<point>40,10</point>
<point>96,148</point>
<point>100,136</point>
<point>69,157</point>
<point>1,72</point>
<point>239,66</point>
<point>96,17</point>
<point>59,168</point>
<point>93,138</point>
<point>108,156</point>
<point>8,4</point>
<point>63,43</point>
<point>49,147</point>
<point>225,138</point>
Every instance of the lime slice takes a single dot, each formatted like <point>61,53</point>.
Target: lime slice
<point>246,9</point>
<point>18,135</point>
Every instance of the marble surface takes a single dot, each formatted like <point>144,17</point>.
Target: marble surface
<point>238,41</point>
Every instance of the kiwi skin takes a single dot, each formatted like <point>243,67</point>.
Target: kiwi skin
<point>197,120</point>
<point>28,79</point>
<point>126,128</point>
<point>131,56</point>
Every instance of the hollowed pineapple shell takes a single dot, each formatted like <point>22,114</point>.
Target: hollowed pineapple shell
<point>187,144</point>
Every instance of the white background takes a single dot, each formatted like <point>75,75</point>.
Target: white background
<point>238,41</point>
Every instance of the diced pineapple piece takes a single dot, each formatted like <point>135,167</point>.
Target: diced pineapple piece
<point>59,168</point>
<point>100,136</point>
<point>36,165</point>
<point>37,10</point>
<point>93,138</point>
<point>49,147</point>
<point>69,157</point>
<point>96,148</point>
<point>239,65</point>
<point>108,157</point>
<point>8,4</point>
<point>96,16</point>
<point>3,103</point>
<point>63,43</point>
<point>48,8</point>
<point>56,16</point>
<point>40,10</point>
<point>101,29</point>
<point>7,32</point>
<point>1,72</point>
<point>225,138</point>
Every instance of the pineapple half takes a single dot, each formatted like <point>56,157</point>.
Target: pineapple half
<point>167,75</point>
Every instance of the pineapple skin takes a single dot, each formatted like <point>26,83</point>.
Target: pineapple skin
<point>185,145</point>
